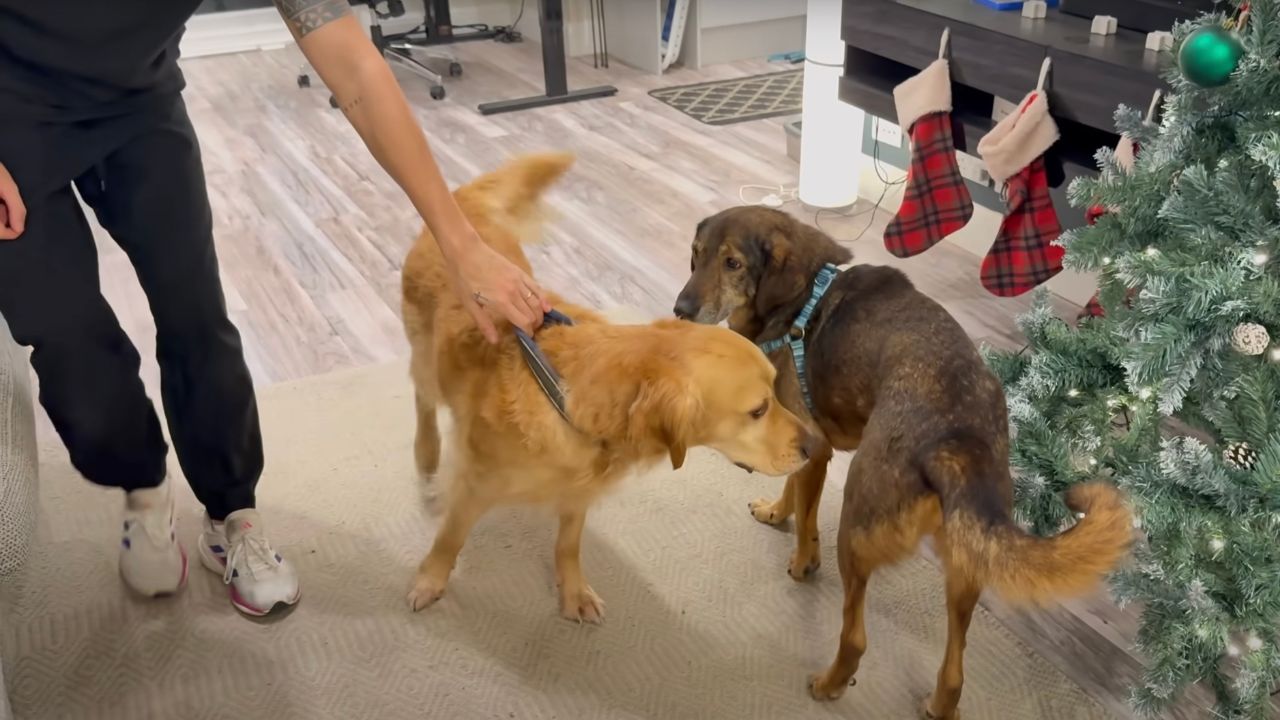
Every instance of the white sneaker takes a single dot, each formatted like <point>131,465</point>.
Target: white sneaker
<point>152,561</point>
<point>259,579</point>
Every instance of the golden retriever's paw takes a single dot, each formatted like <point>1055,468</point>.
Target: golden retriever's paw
<point>804,564</point>
<point>927,714</point>
<point>426,591</point>
<point>582,605</point>
<point>823,690</point>
<point>767,511</point>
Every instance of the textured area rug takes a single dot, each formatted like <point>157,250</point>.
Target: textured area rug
<point>703,621</point>
<point>731,101</point>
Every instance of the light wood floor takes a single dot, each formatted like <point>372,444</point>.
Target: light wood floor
<point>311,234</point>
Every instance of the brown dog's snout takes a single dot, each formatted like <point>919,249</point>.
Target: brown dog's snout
<point>687,305</point>
<point>808,445</point>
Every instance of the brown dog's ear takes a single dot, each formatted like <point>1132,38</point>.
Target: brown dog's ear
<point>793,253</point>
<point>664,411</point>
<point>782,278</point>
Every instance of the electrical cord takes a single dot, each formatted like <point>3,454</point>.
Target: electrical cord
<point>778,195</point>
<point>883,177</point>
<point>508,33</point>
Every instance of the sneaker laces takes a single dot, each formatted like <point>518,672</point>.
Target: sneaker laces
<point>256,554</point>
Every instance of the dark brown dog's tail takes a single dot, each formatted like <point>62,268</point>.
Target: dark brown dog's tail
<point>982,541</point>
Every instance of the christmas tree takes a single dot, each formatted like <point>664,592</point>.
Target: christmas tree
<point>1172,390</point>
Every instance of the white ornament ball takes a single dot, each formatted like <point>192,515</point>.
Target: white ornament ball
<point>1250,339</point>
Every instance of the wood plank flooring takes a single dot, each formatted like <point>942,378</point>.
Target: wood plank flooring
<point>311,234</point>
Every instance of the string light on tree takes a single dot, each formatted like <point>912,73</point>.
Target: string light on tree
<point>1261,257</point>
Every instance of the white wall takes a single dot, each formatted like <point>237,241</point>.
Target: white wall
<point>718,13</point>
<point>262,29</point>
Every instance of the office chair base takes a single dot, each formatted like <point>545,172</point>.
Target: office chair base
<point>537,101</point>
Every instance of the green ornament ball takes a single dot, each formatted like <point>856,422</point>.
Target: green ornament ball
<point>1209,55</point>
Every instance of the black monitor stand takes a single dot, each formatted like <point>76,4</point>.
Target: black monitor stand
<point>551,16</point>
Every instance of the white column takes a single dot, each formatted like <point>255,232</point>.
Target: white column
<point>831,131</point>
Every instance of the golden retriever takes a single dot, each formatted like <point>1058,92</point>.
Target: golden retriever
<point>634,395</point>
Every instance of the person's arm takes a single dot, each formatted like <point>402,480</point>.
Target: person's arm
<point>368,94</point>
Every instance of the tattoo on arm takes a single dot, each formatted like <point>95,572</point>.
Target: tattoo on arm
<point>305,16</point>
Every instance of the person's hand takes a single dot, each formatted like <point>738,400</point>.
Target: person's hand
<point>13,214</point>
<point>487,282</point>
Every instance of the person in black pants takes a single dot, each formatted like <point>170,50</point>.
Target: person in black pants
<point>90,103</point>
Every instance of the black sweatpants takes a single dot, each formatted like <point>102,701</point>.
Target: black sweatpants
<point>143,178</point>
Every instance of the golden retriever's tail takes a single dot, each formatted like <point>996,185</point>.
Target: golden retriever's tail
<point>982,541</point>
<point>512,193</point>
<point>502,205</point>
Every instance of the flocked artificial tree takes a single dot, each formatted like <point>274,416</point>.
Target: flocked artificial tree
<point>1173,392</point>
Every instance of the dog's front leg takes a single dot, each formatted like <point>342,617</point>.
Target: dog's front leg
<point>465,508</point>
<point>806,488</point>
<point>775,512</point>
<point>577,600</point>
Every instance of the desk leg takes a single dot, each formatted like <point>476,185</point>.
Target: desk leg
<point>554,70</point>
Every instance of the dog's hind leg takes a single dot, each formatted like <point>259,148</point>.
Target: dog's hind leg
<point>806,495</point>
<point>426,441</point>
<point>577,600</point>
<point>962,597</point>
<point>855,571</point>
<point>422,368</point>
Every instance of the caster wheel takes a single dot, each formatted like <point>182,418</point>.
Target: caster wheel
<point>333,102</point>
<point>304,81</point>
<point>437,92</point>
<point>455,69</point>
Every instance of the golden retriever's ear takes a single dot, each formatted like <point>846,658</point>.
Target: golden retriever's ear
<point>665,411</point>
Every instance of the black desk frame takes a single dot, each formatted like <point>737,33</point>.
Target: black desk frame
<point>554,69</point>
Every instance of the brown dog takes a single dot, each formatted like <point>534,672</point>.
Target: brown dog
<point>635,394</point>
<point>893,376</point>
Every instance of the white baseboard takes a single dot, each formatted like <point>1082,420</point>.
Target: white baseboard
<point>234,31</point>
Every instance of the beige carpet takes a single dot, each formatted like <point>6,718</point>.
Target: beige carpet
<point>702,620</point>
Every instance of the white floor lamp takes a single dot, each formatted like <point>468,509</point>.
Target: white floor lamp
<point>831,130</point>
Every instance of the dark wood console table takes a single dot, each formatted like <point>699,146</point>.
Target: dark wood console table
<point>997,54</point>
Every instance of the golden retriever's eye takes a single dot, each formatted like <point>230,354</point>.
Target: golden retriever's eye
<point>760,411</point>
<point>732,263</point>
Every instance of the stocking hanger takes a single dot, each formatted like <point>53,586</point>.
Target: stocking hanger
<point>1044,74</point>
<point>1155,106</point>
<point>944,47</point>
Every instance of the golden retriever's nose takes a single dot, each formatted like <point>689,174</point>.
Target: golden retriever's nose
<point>687,306</point>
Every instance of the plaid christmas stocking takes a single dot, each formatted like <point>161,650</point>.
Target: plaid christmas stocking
<point>1023,255</point>
<point>936,202</point>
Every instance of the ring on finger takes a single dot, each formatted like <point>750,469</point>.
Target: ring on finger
<point>479,298</point>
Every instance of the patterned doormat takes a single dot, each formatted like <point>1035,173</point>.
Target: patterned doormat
<point>724,102</point>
